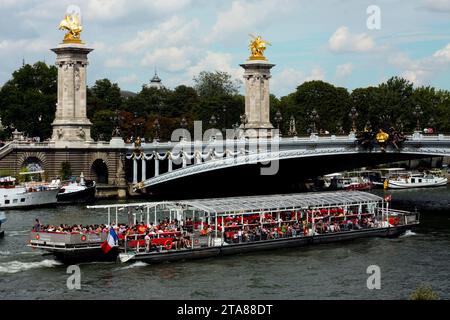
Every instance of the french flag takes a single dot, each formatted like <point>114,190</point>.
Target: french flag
<point>110,241</point>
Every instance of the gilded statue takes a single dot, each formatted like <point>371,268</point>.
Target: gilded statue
<point>257,47</point>
<point>72,24</point>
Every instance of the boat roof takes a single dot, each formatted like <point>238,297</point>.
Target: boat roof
<point>263,203</point>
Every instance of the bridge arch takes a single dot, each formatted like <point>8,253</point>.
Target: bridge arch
<point>33,161</point>
<point>100,168</point>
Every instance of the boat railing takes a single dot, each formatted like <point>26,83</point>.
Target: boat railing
<point>401,217</point>
<point>72,239</point>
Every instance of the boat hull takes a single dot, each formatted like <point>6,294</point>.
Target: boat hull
<point>84,196</point>
<point>268,245</point>
<point>402,185</point>
<point>25,200</point>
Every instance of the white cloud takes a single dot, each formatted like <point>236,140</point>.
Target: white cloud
<point>438,5</point>
<point>343,71</point>
<point>420,71</point>
<point>115,63</point>
<point>175,31</point>
<point>343,41</point>
<point>129,79</point>
<point>112,10</point>
<point>248,16</point>
<point>172,59</point>
<point>287,80</point>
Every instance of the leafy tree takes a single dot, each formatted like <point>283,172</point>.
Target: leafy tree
<point>424,293</point>
<point>103,125</point>
<point>28,100</point>
<point>104,95</point>
<point>331,104</point>
<point>66,170</point>
<point>216,84</point>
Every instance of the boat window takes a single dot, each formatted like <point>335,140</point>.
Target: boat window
<point>413,180</point>
<point>15,201</point>
<point>420,180</point>
<point>7,201</point>
<point>22,200</point>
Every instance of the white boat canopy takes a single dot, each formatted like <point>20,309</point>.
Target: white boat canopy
<point>260,203</point>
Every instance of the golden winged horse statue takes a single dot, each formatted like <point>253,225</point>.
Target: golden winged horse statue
<point>257,47</point>
<point>71,23</point>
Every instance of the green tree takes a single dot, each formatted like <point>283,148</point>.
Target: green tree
<point>104,95</point>
<point>216,84</point>
<point>66,170</point>
<point>103,125</point>
<point>331,104</point>
<point>424,293</point>
<point>28,100</point>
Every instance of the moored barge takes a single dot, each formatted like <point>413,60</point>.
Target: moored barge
<point>181,230</point>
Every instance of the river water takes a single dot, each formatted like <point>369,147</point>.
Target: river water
<point>336,271</point>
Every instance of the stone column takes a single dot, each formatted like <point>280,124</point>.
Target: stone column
<point>257,98</point>
<point>71,124</point>
<point>144,168</point>
<point>156,166</point>
<point>135,171</point>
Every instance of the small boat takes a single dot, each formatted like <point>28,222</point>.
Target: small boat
<point>30,194</point>
<point>2,221</point>
<point>348,181</point>
<point>409,180</point>
<point>206,228</point>
<point>80,191</point>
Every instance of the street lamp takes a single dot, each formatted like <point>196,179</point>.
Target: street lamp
<point>213,121</point>
<point>418,113</point>
<point>183,123</point>
<point>353,115</point>
<point>224,118</point>
<point>339,127</point>
<point>292,127</point>
<point>156,127</point>
<point>314,117</point>
<point>244,120</point>
<point>117,119</point>
<point>278,119</point>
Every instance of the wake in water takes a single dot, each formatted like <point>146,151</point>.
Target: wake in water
<point>18,266</point>
<point>17,233</point>
<point>4,253</point>
<point>408,233</point>
<point>138,264</point>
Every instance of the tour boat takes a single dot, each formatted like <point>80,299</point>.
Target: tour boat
<point>77,191</point>
<point>348,181</point>
<point>192,229</point>
<point>409,180</point>
<point>28,195</point>
<point>2,221</point>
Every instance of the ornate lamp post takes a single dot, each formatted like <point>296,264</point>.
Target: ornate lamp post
<point>183,125</point>
<point>353,115</point>
<point>117,119</point>
<point>339,127</point>
<point>244,120</point>
<point>292,127</point>
<point>213,121</point>
<point>278,119</point>
<point>418,113</point>
<point>431,123</point>
<point>224,118</point>
<point>137,126</point>
<point>314,117</point>
<point>156,127</point>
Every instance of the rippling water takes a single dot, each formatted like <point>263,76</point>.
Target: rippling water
<point>336,271</point>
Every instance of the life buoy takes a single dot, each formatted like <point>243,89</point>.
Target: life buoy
<point>38,236</point>
<point>196,242</point>
<point>83,238</point>
<point>168,245</point>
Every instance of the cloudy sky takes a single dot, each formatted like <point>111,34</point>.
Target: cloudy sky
<point>328,39</point>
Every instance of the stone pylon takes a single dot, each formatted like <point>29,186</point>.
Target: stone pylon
<point>71,124</point>
<point>257,98</point>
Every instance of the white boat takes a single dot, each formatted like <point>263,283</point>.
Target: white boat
<point>31,194</point>
<point>409,180</point>
<point>2,221</point>
<point>77,191</point>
